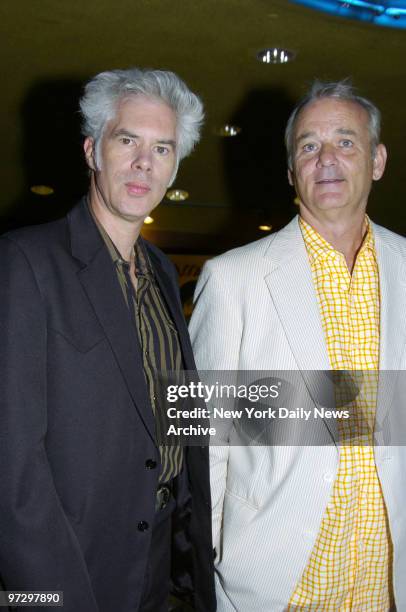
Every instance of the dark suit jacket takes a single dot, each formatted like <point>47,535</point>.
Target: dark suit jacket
<point>76,427</point>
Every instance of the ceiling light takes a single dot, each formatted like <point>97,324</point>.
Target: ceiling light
<point>265,227</point>
<point>228,130</point>
<point>148,220</point>
<point>177,195</point>
<point>43,190</point>
<point>275,55</point>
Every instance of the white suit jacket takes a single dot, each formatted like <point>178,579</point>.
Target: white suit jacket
<point>257,310</point>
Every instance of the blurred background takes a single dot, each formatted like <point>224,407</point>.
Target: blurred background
<point>249,60</point>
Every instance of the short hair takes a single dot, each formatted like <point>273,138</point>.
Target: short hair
<point>341,90</point>
<point>104,92</point>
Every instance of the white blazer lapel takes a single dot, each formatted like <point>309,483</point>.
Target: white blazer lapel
<point>291,289</point>
<point>392,280</point>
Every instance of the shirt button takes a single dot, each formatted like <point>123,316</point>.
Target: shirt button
<point>143,526</point>
<point>150,464</point>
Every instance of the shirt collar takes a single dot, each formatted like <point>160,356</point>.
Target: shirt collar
<point>142,264</point>
<point>318,248</point>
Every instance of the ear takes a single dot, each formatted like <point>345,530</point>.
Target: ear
<point>379,162</point>
<point>290,177</point>
<point>89,149</point>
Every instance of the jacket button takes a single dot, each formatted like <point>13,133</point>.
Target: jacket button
<point>150,464</point>
<point>143,526</point>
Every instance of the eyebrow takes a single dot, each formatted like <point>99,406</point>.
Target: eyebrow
<point>124,132</point>
<point>342,131</point>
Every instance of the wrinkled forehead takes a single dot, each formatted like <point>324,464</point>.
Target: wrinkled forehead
<point>331,112</point>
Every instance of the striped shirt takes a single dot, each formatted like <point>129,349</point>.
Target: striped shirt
<point>159,341</point>
<point>351,562</point>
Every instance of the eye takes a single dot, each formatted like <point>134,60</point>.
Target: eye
<point>309,147</point>
<point>346,144</point>
<point>162,150</point>
<point>126,140</point>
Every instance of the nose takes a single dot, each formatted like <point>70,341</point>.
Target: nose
<point>327,156</point>
<point>142,159</point>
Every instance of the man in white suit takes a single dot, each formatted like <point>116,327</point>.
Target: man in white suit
<point>313,527</point>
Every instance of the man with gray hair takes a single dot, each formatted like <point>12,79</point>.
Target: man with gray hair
<point>310,527</point>
<point>95,507</point>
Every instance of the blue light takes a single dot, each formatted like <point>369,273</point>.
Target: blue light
<point>392,14</point>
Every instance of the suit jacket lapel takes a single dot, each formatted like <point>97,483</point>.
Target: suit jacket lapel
<point>100,282</point>
<point>392,280</point>
<point>291,288</point>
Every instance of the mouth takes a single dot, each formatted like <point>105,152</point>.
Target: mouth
<point>331,181</point>
<point>137,188</point>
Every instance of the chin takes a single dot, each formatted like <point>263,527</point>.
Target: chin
<point>331,201</point>
<point>135,209</point>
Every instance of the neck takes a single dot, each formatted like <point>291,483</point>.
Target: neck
<point>345,234</point>
<point>122,232</point>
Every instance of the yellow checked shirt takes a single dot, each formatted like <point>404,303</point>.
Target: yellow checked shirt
<point>351,563</point>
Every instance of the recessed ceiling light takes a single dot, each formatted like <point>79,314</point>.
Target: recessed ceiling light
<point>228,130</point>
<point>148,220</point>
<point>43,190</point>
<point>265,227</point>
<point>177,195</point>
<point>275,55</point>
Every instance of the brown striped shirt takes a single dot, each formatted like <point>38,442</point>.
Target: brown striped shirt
<point>159,341</point>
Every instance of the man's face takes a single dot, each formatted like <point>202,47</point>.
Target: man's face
<point>332,161</point>
<point>136,159</point>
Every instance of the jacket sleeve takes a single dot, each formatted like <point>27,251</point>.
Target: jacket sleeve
<point>38,547</point>
<point>215,330</point>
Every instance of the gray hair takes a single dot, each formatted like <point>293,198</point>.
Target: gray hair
<point>104,92</point>
<point>342,90</point>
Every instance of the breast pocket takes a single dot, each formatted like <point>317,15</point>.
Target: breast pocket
<point>75,322</point>
<point>82,342</point>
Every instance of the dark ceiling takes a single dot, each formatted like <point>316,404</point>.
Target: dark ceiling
<point>50,47</point>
